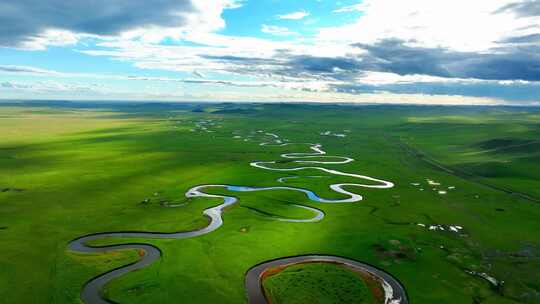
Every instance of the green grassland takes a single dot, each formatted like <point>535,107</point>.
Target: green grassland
<point>318,284</point>
<point>70,171</point>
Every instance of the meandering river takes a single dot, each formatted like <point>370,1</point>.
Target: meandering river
<point>394,292</point>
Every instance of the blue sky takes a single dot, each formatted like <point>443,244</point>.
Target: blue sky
<point>371,51</point>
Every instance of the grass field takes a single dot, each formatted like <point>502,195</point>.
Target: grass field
<point>317,283</point>
<point>68,171</point>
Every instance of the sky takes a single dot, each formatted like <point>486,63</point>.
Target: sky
<point>348,51</point>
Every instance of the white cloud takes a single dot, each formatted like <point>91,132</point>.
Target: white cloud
<point>51,86</point>
<point>349,8</point>
<point>277,30</point>
<point>460,24</point>
<point>294,16</point>
<point>28,70</point>
<point>50,38</point>
<point>382,78</point>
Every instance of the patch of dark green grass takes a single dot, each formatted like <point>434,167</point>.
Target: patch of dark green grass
<point>318,283</point>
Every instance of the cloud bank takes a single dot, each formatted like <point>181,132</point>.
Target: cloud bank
<point>473,49</point>
<point>34,24</point>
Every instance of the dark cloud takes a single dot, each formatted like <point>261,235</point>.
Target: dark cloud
<point>532,38</point>
<point>509,63</point>
<point>510,92</point>
<point>516,65</point>
<point>393,55</point>
<point>512,61</point>
<point>317,68</point>
<point>324,64</point>
<point>297,66</point>
<point>198,74</point>
<point>525,8</point>
<point>21,20</point>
